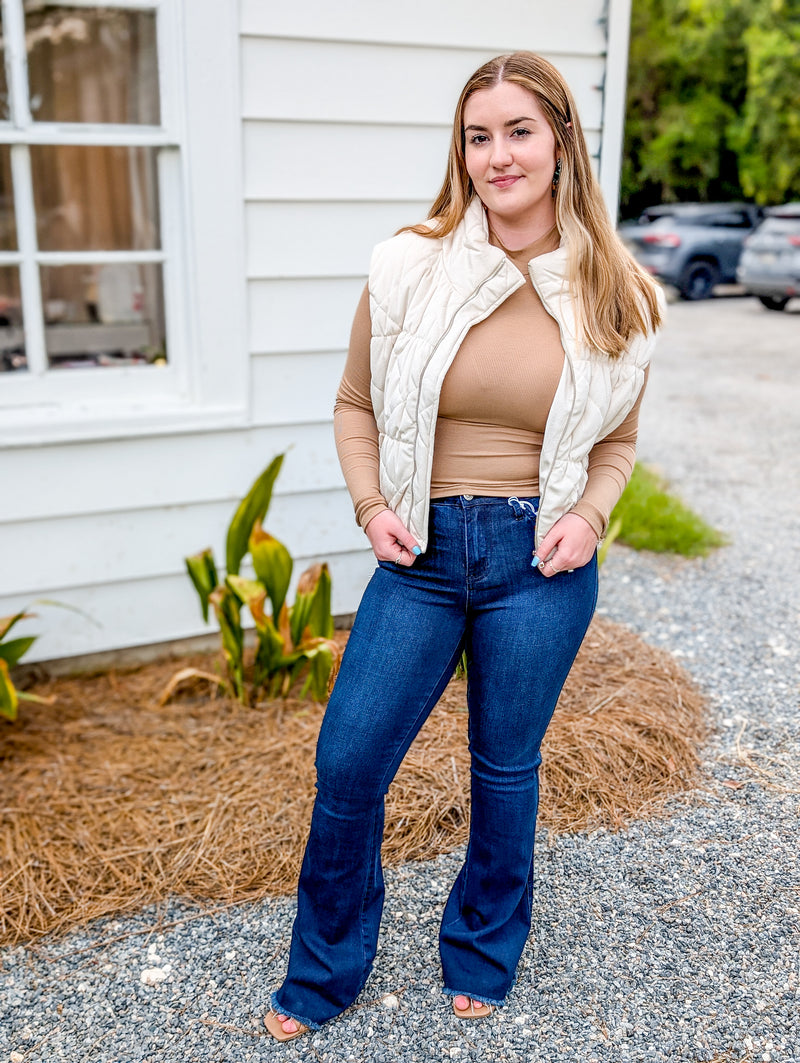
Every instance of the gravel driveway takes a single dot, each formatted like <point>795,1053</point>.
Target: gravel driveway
<point>676,940</point>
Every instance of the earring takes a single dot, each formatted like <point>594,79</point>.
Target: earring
<point>556,178</point>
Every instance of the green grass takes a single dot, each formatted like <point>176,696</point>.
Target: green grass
<point>648,517</point>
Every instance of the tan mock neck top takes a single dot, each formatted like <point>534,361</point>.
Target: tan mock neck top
<point>493,408</point>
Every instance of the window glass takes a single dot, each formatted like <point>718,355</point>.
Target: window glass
<point>108,314</point>
<point>91,64</point>
<point>731,220</point>
<point>781,225</point>
<point>4,109</point>
<point>12,345</point>
<point>95,198</point>
<point>8,225</point>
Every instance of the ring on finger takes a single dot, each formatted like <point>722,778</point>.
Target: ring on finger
<point>398,559</point>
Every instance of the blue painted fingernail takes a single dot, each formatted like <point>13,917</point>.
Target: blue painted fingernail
<point>415,550</point>
<point>536,561</point>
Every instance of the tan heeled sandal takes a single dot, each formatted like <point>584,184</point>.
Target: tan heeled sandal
<point>274,1020</point>
<point>475,1010</point>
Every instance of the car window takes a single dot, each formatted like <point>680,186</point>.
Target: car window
<point>730,220</point>
<point>667,222</point>
<point>780,226</point>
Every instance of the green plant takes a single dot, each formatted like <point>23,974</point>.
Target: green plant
<point>291,641</point>
<point>11,652</point>
<point>648,517</point>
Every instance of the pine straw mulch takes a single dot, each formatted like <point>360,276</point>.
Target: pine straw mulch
<point>111,802</point>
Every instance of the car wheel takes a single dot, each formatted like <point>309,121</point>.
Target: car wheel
<point>772,302</point>
<point>697,280</point>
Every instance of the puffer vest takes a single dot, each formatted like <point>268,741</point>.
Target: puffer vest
<point>425,295</point>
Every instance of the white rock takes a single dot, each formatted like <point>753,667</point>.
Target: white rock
<point>16,1057</point>
<point>390,1001</point>
<point>155,975</point>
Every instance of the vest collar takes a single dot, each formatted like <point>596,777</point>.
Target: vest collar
<point>468,258</point>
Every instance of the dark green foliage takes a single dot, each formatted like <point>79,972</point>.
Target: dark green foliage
<point>712,102</point>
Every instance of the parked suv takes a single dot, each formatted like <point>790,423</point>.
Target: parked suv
<point>770,263</point>
<point>692,246</point>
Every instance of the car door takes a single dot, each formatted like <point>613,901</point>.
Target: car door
<point>729,230</point>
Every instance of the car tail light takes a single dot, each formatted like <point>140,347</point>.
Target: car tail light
<point>794,241</point>
<point>663,239</point>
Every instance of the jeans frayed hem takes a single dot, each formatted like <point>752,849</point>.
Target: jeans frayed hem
<point>474,996</point>
<point>281,1010</point>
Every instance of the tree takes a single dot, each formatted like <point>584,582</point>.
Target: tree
<point>711,102</point>
<point>768,136</point>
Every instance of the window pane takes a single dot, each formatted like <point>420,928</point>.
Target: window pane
<point>12,342</point>
<point>4,109</point>
<point>95,198</point>
<point>8,226</point>
<point>103,315</point>
<point>92,64</point>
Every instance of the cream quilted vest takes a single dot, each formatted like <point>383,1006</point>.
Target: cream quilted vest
<point>425,295</point>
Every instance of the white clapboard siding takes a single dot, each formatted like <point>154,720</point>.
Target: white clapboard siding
<point>325,81</point>
<point>540,25</point>
<point>349,161</point>
<point>158,609</point>
<point>336,238</point>
<point>160,473</point>
<point>146,543</point>
<point>288,388</point>
<point>308,314</point>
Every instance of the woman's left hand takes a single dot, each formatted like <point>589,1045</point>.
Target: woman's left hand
<point>569,544</point>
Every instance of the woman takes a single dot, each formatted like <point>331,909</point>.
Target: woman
<point>486,425</point>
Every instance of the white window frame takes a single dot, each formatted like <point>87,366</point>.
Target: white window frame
<point>204,384</point>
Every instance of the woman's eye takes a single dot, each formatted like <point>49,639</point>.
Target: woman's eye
<point>478,138</point>
<point>520,133</point>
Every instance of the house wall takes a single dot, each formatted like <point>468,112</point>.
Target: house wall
<point>345,116</point>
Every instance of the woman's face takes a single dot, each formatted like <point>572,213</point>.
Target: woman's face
<point>510,153</point>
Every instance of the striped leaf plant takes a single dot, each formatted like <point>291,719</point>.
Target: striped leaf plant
<point>292,642</point>
<point>11,652</point>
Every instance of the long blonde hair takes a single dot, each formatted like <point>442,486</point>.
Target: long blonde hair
<point>615,299</point>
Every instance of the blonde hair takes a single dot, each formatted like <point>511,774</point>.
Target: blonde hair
<point>615,299</point>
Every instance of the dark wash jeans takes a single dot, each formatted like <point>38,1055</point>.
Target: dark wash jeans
<point>474,589</point>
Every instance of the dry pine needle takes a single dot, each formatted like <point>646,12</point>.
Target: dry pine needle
<point>112,801</point>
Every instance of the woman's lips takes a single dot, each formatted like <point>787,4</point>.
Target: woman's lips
<point>504,182</point>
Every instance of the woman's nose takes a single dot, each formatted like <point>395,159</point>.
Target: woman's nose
<point>501,155</point>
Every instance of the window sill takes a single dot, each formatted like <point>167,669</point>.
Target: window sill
<point>42,426</point>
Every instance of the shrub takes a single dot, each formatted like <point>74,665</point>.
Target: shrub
<point>291,641</point>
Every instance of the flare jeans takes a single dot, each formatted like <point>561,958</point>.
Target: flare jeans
<point>473,589</point>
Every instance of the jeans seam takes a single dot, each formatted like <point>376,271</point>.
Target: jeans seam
<point>362,906</point>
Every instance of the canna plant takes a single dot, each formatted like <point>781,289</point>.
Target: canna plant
<point>11,652</point>
<point>292,641</point>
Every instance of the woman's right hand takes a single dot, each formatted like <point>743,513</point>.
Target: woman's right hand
<point>391,540</point>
